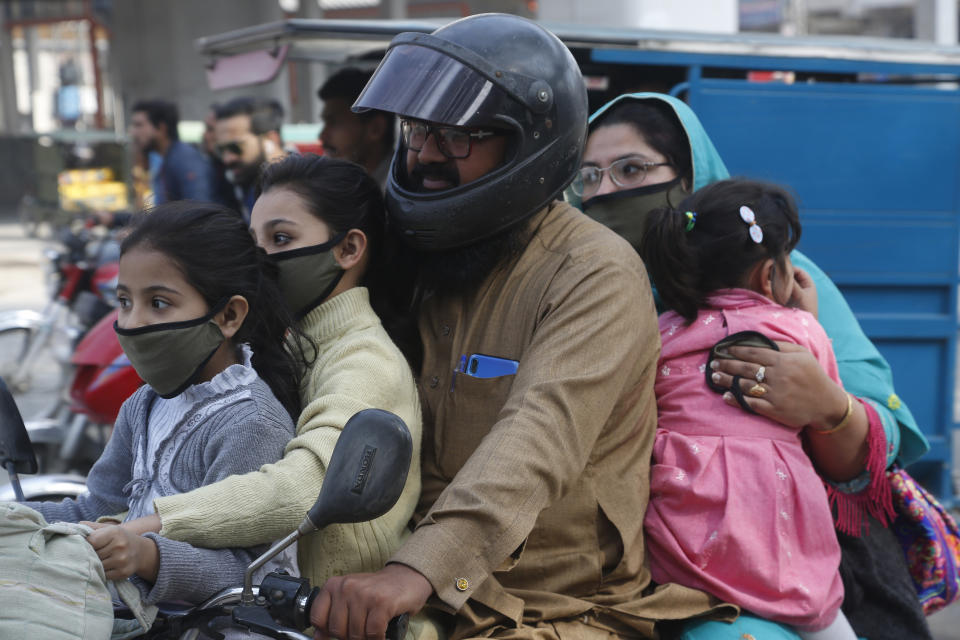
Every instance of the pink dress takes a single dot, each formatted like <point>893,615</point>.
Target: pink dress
<point>736,508</point>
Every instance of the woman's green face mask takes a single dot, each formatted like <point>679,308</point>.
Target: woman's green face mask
<point>625,212</point>
<point>308,274</point>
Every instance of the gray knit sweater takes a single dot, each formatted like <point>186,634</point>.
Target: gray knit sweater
<point>250,428</point>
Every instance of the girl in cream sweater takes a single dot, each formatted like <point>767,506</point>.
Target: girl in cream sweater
<point>320,219</point>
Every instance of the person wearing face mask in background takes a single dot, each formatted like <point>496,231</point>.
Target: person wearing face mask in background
<point>647,150</point>
<point>247,134</point>
<point>322,222</point>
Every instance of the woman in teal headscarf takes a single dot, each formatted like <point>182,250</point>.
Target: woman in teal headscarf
<point>648,150</point>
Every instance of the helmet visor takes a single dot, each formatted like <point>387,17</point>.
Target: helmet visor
<point>417,82</point>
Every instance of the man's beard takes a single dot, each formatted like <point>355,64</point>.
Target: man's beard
<point>245,174</point>
<point>461,271</point>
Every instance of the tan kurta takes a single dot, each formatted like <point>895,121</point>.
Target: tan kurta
<point>535,484</point>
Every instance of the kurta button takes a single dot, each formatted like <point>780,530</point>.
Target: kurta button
<point>462,584</point>
<point>434,381</point>
<point>445,330</point>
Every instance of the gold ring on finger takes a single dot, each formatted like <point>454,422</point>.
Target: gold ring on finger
<point>757,391</point>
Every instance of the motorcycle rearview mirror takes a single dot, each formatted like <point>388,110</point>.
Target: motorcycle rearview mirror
<point>16,452</point>
<point>364,479</point>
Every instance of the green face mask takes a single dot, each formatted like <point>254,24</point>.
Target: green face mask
<point>625,212</point>
<point>308,275</point>
<point>169,356</point>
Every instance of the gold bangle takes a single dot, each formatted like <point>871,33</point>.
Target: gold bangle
<point>843,423</point>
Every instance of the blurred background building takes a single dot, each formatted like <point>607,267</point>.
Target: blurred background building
<point>76,64</point>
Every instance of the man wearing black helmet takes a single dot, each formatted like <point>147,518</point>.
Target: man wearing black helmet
<point>540,346</point>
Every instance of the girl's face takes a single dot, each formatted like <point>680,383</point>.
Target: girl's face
<point>151,289</point>
<point>280,222</point>
<point>610,143</point>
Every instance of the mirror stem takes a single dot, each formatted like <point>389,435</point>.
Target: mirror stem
<point>11,468</point>
<point>246,597</point>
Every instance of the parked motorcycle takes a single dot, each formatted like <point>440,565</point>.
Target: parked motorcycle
<point>37,345</point>
<point>364,479</point>
<point>16,457</point>
<point>102,380</point>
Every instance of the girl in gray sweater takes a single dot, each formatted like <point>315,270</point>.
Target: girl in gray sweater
<point>202,321</point>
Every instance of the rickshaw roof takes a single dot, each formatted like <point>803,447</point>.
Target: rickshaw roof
<point>337,41</point>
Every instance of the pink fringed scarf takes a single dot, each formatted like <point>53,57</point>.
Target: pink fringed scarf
<point>849,508</point>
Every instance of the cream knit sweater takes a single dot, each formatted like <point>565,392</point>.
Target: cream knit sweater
<point>357,367</point>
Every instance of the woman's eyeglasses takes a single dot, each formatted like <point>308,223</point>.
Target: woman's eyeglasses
<point>453,143</point>
<point>626,173</point>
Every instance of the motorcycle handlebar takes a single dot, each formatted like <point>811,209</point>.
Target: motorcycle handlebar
<point>396,628</point>
<point>289,600</point>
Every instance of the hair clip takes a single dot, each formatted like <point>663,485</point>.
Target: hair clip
<point>747,215</point>
<point>691,219</point>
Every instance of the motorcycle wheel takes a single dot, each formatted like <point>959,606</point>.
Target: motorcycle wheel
<point>38,387</point>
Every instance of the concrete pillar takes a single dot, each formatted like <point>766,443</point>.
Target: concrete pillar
<point>796,19</point>
<point>9,117</point>
<point>153,48</point>
<point>936,20</point>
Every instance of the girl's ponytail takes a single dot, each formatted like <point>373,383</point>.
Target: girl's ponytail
<point>672,265</point>
<point>280,362</point>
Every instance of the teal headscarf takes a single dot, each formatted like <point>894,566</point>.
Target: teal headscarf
<point>707,165</point>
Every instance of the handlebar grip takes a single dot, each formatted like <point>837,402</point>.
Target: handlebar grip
<point>397,627</point>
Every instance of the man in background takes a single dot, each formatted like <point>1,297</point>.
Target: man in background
<point>247,133</point>
<point>364,138</point>
<point>221,191</point>
<point>183,173</point>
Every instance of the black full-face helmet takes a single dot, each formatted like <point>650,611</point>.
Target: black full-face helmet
<point>485,71</point>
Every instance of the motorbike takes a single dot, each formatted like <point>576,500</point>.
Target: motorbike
<point>364,479</point>
<point>36,345</point>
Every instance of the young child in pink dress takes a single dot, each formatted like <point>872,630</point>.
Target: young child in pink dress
<point>736,507</point>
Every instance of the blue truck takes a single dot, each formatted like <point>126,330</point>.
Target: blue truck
<point>865,131</point>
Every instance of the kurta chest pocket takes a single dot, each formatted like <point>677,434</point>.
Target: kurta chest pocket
<point>471,408</point>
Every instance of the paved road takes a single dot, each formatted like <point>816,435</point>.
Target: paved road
<point>22,287</point>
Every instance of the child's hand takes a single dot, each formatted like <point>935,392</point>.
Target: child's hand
<point>804,295</point>
<point>146,524</point>
<point>124,553</point>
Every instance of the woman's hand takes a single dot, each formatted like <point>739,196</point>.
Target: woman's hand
<point>804,294</point>
<point>798,393</point>
<point>123,553</point>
